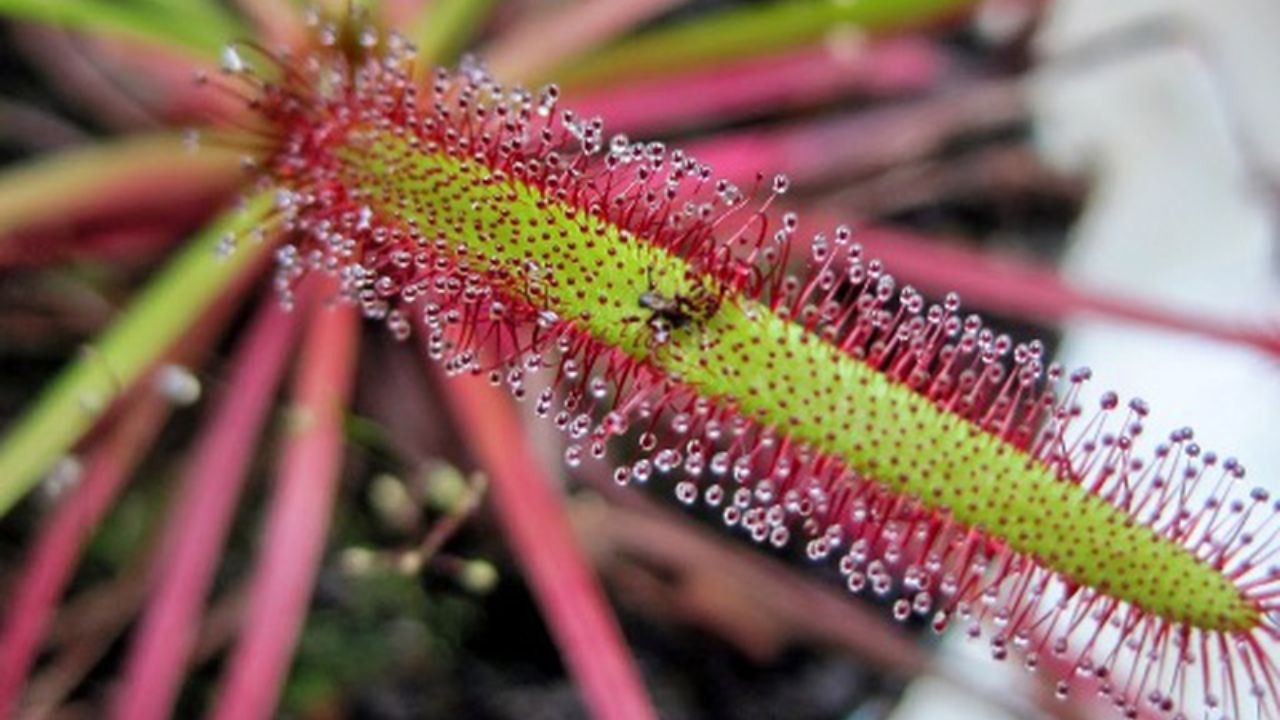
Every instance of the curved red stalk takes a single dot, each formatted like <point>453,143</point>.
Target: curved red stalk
<point>62,537</point>
<point>805,77</point>
<point>297,520</point>
<point>198,525</point>
<point>538,533</point>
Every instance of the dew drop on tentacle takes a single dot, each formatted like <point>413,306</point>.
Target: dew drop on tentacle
<point>178,384</point>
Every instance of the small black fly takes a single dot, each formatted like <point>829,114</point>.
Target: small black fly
<point>666,314</point>
<point>669,313</point>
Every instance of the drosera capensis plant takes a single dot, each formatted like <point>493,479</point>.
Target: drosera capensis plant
<point>783,380</point>
<point>933,460</point>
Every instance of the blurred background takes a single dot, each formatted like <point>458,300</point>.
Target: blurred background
<point>1102,175</point>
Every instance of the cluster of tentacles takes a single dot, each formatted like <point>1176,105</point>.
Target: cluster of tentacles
<point>785,381</point>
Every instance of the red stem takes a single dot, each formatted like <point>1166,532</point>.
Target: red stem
<point>59,543</point>
<point>779,82</point>
<point>539,534</point>
<point>297,520</point>
<point>126,434</point>
<point>1024,289</point>
<point>198,526</point>
<point>813,152</point>
<point>123,233</point>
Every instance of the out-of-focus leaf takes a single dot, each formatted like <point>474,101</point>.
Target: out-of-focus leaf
<point>543,41</point>
<point>745,31</point>
<point>298,515</point>
<point>197,25</point>
<point>445,27</point>
<point>277,21</point>
<point>74,401</point>
<point>538,532</point>
<point>205,10</point>
<point>76,182</point>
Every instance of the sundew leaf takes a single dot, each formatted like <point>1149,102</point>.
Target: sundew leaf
<point>830,406</point>
<point>80,394</point>
<point>744,31</point>
<point>62,184</point>
<point>194,26</point>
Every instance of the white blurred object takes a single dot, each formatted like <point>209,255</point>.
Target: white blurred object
<point>1182,209</point>
<point>1178,139</point>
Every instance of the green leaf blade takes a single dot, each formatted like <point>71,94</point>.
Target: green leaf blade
<point>748,31</point>
<point>197,26</point>
<point>77,398</point>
